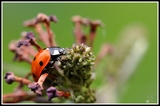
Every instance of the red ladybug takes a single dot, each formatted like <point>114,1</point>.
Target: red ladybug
<point>45,59</point>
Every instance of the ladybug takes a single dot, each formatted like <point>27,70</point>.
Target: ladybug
<point>44,60</point>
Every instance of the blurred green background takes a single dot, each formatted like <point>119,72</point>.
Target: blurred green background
<point>115,16</point>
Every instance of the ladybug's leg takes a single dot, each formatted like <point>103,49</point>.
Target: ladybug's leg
<point>51,63</point>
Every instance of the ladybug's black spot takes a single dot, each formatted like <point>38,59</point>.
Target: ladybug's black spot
<point>40,63</point>
<point>34,75</point>
<point>34,58</point>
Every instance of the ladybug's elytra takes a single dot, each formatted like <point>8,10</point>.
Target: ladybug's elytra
<point>45,58</point>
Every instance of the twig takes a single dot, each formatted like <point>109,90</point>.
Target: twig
<point>93,26</point>
<point>15,98</point>
<point>105,49</point>
<point>10,78</point>
<point>79,37</point>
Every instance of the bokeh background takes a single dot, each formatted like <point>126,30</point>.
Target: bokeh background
<point>114,15</point>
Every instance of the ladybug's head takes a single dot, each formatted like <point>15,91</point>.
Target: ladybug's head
<point>56,51</point>
<point>62,51</point>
